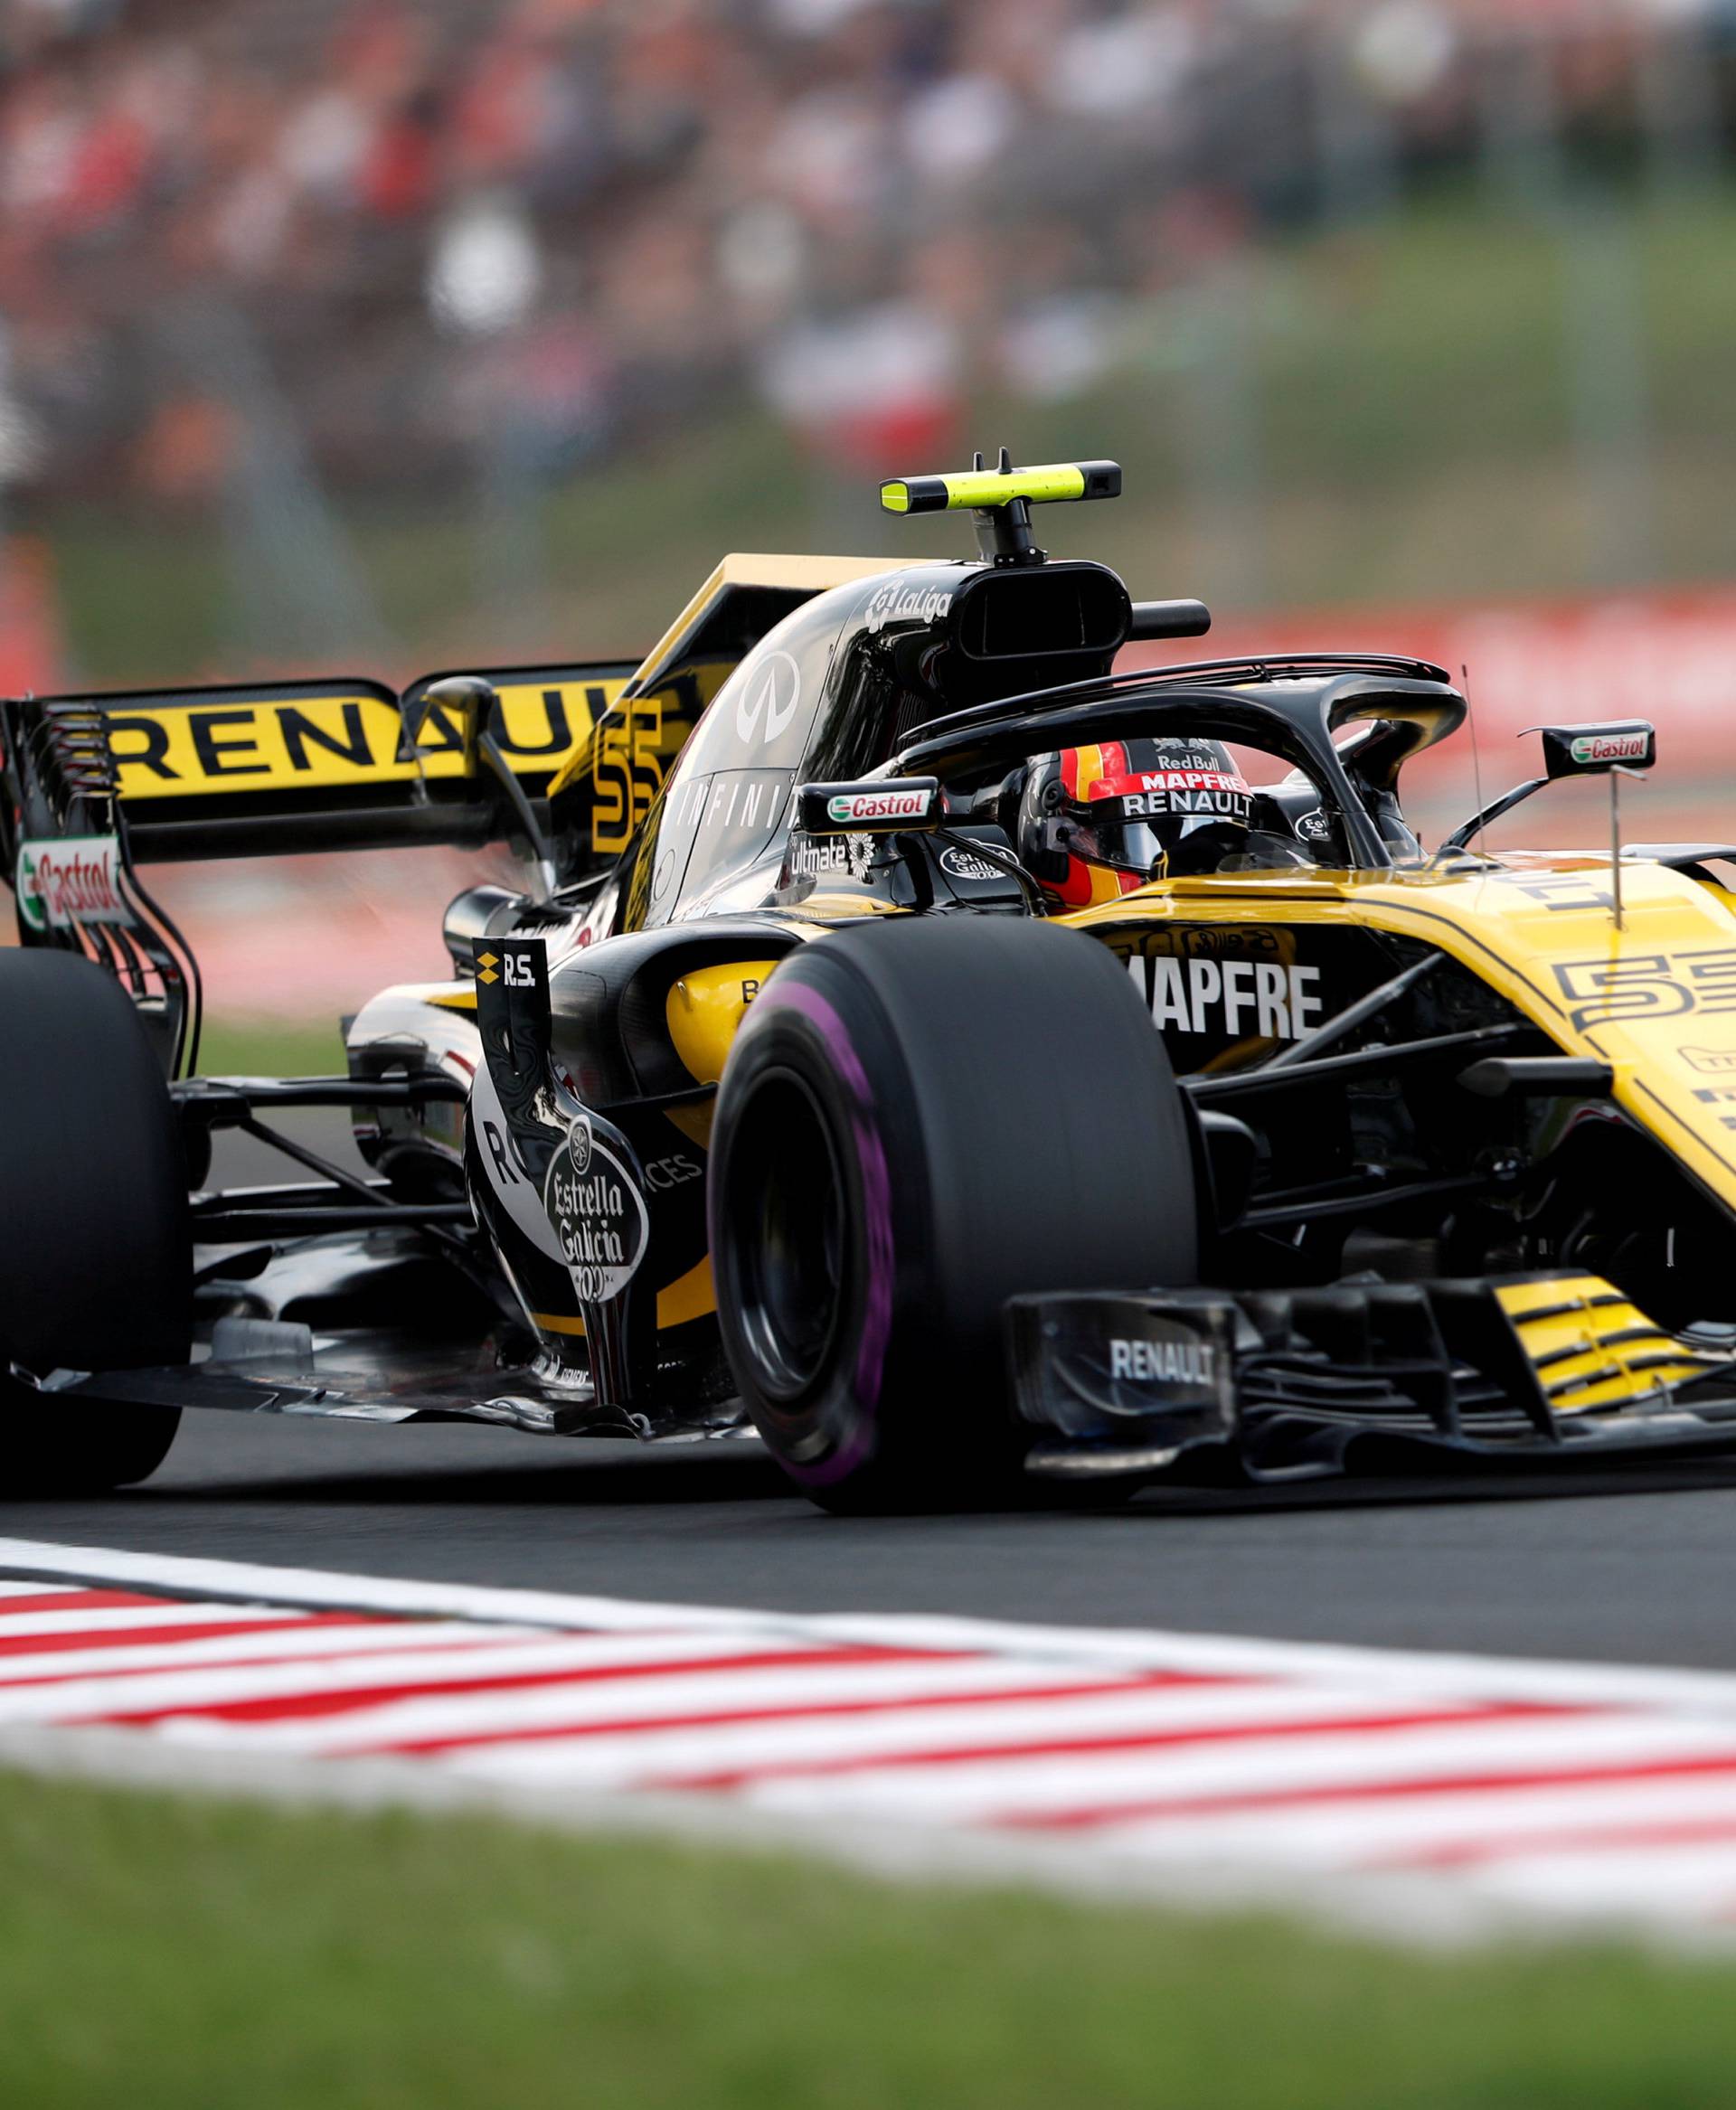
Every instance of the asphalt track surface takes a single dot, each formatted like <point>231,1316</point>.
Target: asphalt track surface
<point>1636,1565</point>
<point>1628,1568</point>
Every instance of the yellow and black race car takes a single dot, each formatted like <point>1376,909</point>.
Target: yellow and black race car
<point>962,1062</point>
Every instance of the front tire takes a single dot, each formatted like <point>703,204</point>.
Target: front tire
<point>96,1255</point>
<point>920,1120</point>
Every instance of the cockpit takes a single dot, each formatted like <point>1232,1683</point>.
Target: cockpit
<point>996,675</point>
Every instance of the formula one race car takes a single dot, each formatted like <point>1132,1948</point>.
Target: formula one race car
<point>961,1061</point>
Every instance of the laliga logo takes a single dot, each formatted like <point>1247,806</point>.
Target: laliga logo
<point>775,689</point>
<point>894,604</point>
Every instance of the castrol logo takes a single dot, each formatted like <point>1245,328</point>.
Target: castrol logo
<point>859,808</point>
<point>1611,747</point>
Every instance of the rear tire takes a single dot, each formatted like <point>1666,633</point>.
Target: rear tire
<point>918,1121</point>
<point>96,1255</point>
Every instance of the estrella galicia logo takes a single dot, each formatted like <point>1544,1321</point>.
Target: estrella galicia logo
<point>597,1215</point>
<point>966,864</point>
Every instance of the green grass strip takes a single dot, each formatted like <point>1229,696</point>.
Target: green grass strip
<point>270,1046</point>
<point>157,1951</point>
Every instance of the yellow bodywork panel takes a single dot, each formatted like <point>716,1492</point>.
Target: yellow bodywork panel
<point>1655,1000</point>
<point>692,1295</point>
<point>703,1010</point>
<point>1593,1347</point>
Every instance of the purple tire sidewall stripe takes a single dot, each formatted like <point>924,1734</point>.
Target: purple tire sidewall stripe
<point>877,1223</point>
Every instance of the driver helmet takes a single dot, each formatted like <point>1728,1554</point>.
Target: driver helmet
<point>1095,822</point>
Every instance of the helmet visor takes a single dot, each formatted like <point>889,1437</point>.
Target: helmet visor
<point>1147,849</point>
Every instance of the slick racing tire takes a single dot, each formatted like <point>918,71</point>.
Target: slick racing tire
<point>96,1256</point>
<point>918,1121</point>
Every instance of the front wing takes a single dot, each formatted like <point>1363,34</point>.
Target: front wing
<point>1285,1385</point>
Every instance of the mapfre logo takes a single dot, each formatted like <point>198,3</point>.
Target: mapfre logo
<point>1268,1000</point>
<point>1190,780</point>
<point>61,885</point>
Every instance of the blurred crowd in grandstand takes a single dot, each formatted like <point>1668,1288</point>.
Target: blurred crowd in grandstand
<point>557,225</point>
<point>316,317</point>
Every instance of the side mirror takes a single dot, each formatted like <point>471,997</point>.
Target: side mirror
<point>477,703</point>
<point>470,698</point>
<point>1612,748</point>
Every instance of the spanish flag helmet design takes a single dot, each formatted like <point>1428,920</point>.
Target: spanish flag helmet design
<point>1098,822</point>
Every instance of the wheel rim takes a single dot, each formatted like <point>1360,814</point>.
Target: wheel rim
<point>790,1237</point>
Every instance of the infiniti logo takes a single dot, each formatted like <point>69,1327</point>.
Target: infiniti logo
<point>773,692</point>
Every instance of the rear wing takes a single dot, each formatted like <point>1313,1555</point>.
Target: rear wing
<point>269,768</point>
<point>570,755</point>
<point>92,787</point>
